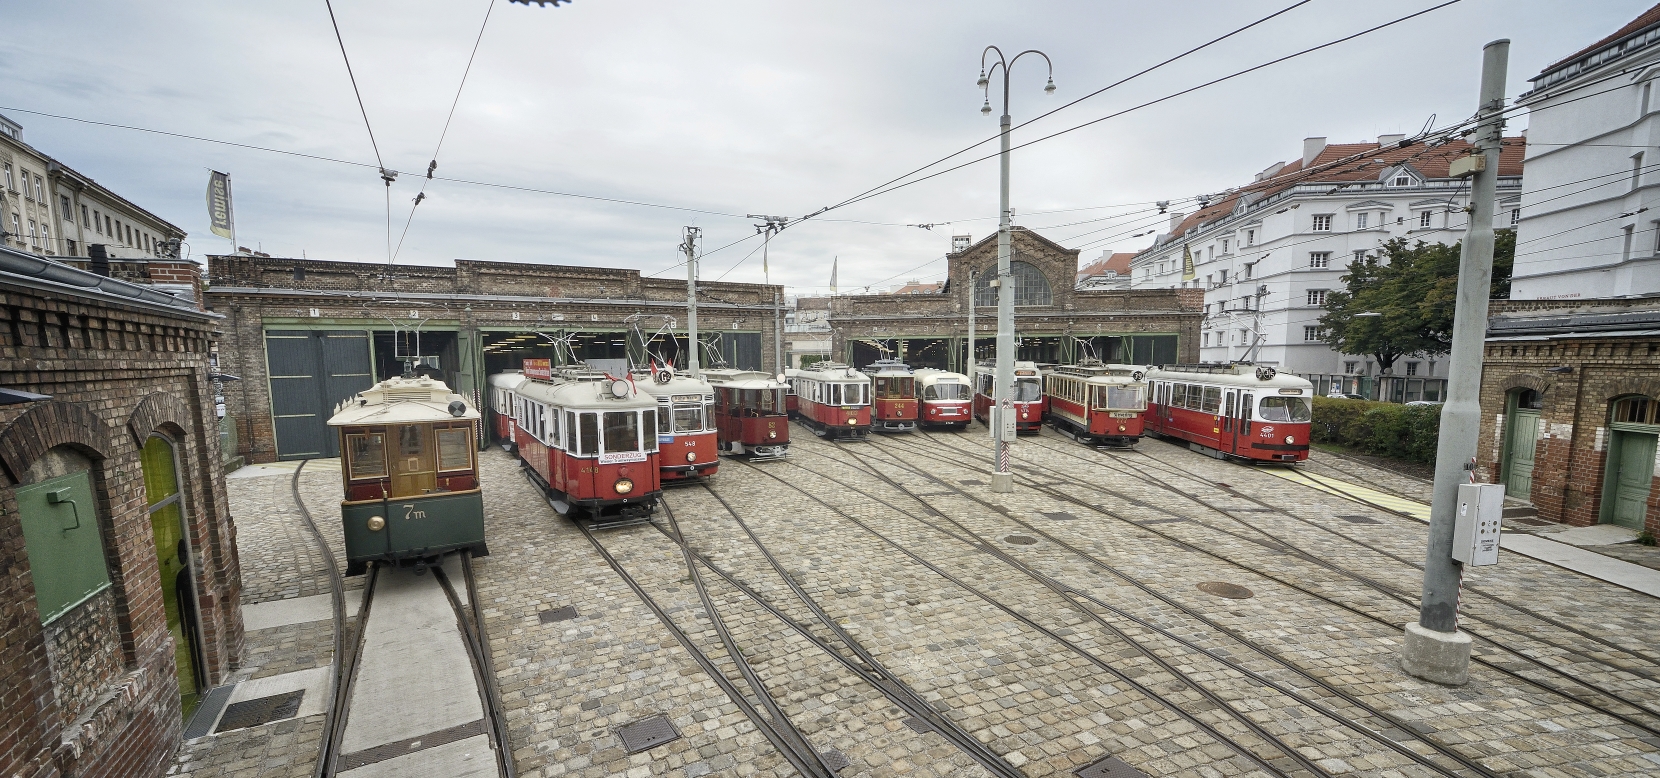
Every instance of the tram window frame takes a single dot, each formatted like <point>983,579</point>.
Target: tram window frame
<point>648,440</point>
<point>354,458</point>
<point>665,421</point>
<point>588,433</point>
<point>570,443</point>
<point>1213,400</point>
<point>459,440</point>
<point>1178,396</point>
<point>1286,403</point>
<point>1139,403</point>
<point>625,424</point>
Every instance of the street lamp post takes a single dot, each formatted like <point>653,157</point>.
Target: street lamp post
<point>1002,479</point>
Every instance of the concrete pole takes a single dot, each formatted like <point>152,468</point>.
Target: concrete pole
<point>1002,479</point>
<point>1434,649</point>
<point>970,369</point>
<point>691,298</point>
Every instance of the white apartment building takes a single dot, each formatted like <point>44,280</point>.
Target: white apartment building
<point>49,209</point>
<point>1269,252</point>
<point>1591,206</point>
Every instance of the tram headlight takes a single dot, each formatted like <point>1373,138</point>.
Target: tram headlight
<point>1121,428</point>
<point>772,435</point>
<point>1022,414</point>
<point>852,421</point>
<point>1289,440</point>
<point>623,485</point>
<point>376,523</point>
<point>691,456</point>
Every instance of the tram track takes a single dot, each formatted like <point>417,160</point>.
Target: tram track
<point>334,716</point>
<point>1648,726</point>
<point>1290,760</point>
<point>1390,736</point>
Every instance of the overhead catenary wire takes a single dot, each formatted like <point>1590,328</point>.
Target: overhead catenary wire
<point>385,175</point>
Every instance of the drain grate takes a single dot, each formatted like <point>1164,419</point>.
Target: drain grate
<point>1020,540</point>
<point>1059,516</point>
<point>647,733</point>
<point>1111,767</point>
<point>918,725</point>
<point>1359,519</point>
<point>972,482</point>
<point>1228,590</point>
<point>263,710</point>
<point>834,759</point>
<point>557,614</point>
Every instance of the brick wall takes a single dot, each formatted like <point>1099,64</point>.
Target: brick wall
<point>74,702</point>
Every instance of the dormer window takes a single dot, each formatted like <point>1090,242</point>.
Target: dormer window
<point>1401,179</point>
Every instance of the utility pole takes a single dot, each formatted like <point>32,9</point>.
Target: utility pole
<point>772,226</point>
<point>1002,477</point>
<point>1434,649</point>
<point>970,368</point>
<point>690,247</point>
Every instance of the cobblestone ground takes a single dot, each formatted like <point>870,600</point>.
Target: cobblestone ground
<point>280,560</point>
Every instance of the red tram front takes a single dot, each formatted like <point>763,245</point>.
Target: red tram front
<point>893,407</point>
<point>686,442</point>
<point>792,404</point>
<point>591,442</point>
<point>1097,403</point>
<point>1232,410</point>
<point>749,413</point>
<point>834,400</point>
<point>1027,397</point>
<point>947,398</point>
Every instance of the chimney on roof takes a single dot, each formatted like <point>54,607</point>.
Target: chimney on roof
<point>1175,219</point>
<point>1385,141</point>
<point>1311,149</point>
<point>1270,171</point>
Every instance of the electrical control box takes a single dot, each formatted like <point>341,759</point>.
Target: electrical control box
<point>1476,531</point>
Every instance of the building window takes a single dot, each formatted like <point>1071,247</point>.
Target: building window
<point>1360,255</point>
<point>1222,276</point>
<point>1161,268</point>
<point>9,177</point>
<point>17,230</point>
<point>1313,334</point>
<point>64,211</point>
<point>1207,337</point>
<point>1030,287</point>
<point>1360,220</point>
<point>1349,367</point>
<point>40,194</point>
<point>1317,297</point>
<point>46,237</point>
<point>1244,337</point>
<point>1515,216</point>
<point>1322,222</point>
<point>1636,170</point>
<point>1245,303</point>
<point>86,221</point>
<point>1319,259</point>
<point>109,228</point>
<point>70,248</point>
<point>33,239</point>
<point>1224,245</point>
<point>1412,368</point>
<point>24,174</point>
<point>1250,237</point>
<point>1625,253</point>
<point>1423,219</point>
<point>1402,179</point>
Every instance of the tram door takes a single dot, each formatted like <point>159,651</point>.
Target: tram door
<point>1230,431</point>
<point>1242,420</point>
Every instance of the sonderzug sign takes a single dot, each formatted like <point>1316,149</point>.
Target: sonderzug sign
<point>539,368</point>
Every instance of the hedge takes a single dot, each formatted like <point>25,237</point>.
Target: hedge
<point>1406,432</point>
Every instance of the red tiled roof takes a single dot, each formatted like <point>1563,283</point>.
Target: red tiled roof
<point>917,289</point>
<point>1119,262</point>
<point>1647,18</point>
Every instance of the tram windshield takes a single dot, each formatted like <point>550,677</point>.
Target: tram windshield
<point>1126,398</point>
<point>1028,390</point>
<point>846,394</point>
<point>945,392</point>
<point>760,402</point>
<point>895,388</point>
<point>687,418</point>
<point>1284,409</point>
<point>622,431</point>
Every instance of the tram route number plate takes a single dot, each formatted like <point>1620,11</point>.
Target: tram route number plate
<point>622,457</point>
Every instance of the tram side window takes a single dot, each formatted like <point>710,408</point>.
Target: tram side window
<point>570,432</point>
<point>664,420</point>
<point>832,394</point>
<point>622,431</point>
<point>589,434</point>
<point>553,427</point>
<point>1178,395</point>
<point>1213,399</point>
<point>455,449</point>
<point>648,440</point>
<point>367,454</point>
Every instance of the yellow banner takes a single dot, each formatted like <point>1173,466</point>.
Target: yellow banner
<point>1188,273</point>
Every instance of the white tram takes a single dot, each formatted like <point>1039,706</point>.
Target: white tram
<point>834,400</point>
<point>501,406</point>
<point>590,440</point>
<point>947,398</point>
<point>685,423</point>
<point>1232,410</point>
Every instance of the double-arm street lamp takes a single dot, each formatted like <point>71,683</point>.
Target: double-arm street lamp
<point>1002,416</point>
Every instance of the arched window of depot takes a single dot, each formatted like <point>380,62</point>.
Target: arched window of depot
<point>1031,287</point>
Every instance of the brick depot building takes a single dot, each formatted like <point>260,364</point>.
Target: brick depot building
<point>1569,400</point>
<point>304,334</point>
<point>119,602</point>
<point>1054,322</point>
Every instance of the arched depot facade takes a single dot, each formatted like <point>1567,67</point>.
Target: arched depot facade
<point>121,594</point>
<point>1054,321</point>
<point>1571,410</point>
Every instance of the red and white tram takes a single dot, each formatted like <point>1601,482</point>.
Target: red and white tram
<point>501,406</point>
<point>1234,410</point>
<point>834,400</point>
<point>792,404</point>
<point>893,405</point>
<point>1027,396</point>
<point>686,443</point>
<point>1097,403</point>
<point>591,442</point>
<point>749,413</point>
<point>947,398</point>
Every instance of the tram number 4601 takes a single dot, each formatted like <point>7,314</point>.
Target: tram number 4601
<point>409,512</point>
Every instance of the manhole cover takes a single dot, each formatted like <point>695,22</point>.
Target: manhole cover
<point>647,733</point>
<point>264,710</point>
<point>1059,516</point>
<point>1228,590</point>
<point>1111,767</point>
<point>557,614</point>
<point>1020,540</point>
<point>1359,519</point>
<point>835,760</point>
<point>918,725</point>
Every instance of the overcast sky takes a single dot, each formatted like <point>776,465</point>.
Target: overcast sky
<point>729,107</point>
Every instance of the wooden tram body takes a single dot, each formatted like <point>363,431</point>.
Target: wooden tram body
<point>946,398</point>
<point>1027,398</point>
<point>501,406</point>
<point>590,441</point>
<point>1232,410</point>
<point>893,406</point>
<point>750,413</point>
<point>686,437</point>
<point>1097,403</point>
<point>409,471</point>
<point>834,400</point>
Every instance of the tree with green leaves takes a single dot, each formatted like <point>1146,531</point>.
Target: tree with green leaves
<point>1398,301</point>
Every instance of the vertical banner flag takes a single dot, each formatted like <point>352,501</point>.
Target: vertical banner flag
<point>833,275</point>
<point>1188,273</point>
<point>219,204</point>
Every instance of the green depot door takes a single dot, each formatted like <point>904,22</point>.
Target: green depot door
<point>1630,472</point>
<point>1518,465</point>
<point>161,488</point>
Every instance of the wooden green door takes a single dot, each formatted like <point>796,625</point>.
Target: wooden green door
<point>1518,466</point>
<point>1630,472</point>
